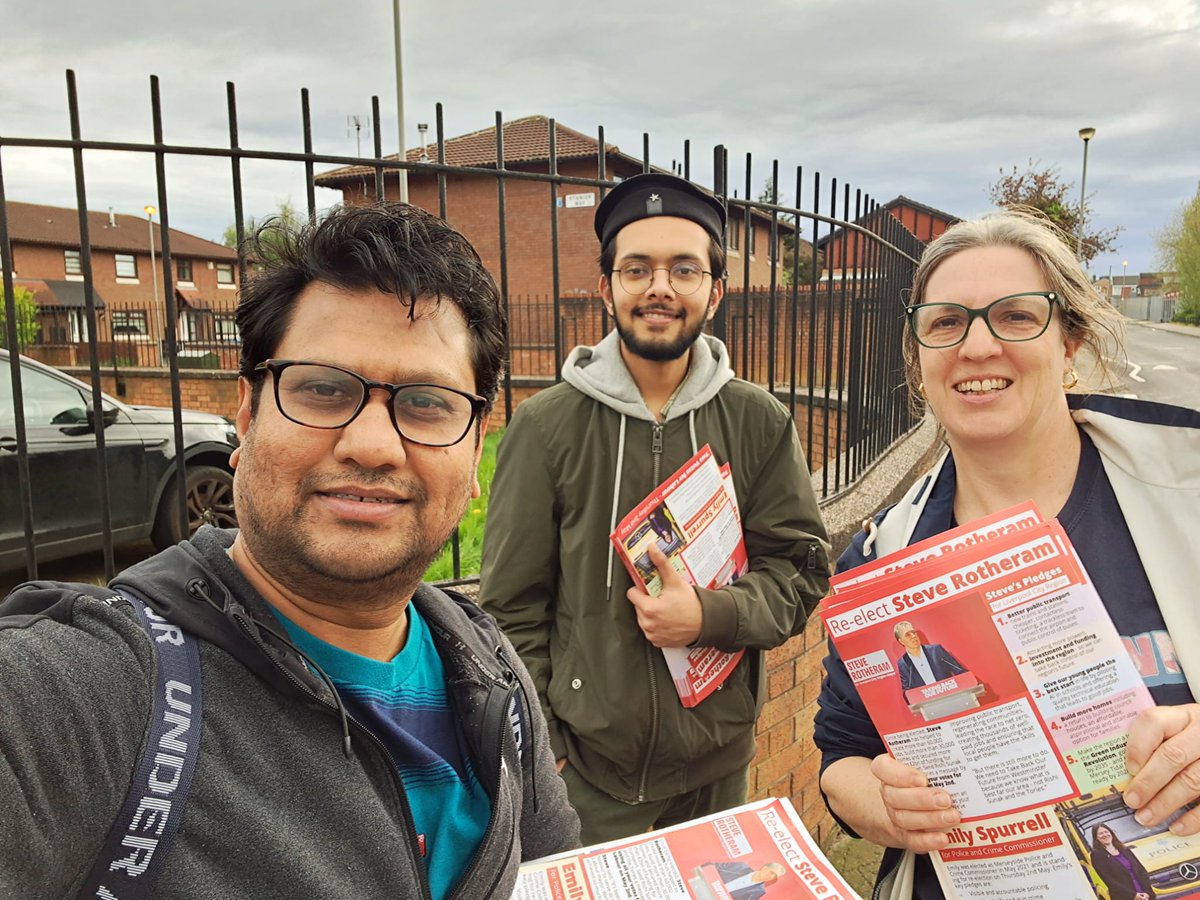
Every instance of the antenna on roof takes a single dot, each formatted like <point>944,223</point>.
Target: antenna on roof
<point>357,125</point>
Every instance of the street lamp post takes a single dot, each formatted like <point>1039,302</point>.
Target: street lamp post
<point>150,212</point>
<point>402,155</point>
<point>1124,278</point>
<point>1086,134</point>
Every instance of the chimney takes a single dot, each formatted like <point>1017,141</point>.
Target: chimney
<point>112,220</point>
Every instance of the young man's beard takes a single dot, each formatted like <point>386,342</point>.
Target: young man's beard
<point>660,351</point>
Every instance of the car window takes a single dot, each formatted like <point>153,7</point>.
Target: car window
<point>48,401</point>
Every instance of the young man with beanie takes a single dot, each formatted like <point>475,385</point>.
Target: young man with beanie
<point>577,458</point>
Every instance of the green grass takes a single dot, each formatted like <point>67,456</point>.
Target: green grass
<point>470,530</point>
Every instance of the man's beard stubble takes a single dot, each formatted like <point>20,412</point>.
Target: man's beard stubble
<point>289,551</point>
<point>658,351</point>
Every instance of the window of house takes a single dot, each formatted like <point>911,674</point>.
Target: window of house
<point>72,263</point>
<point>129,321</point>
<point>750,242</point>
<point>224,273</point>
<point>735,237</point>
<point>126,265</point>
<point>183,270</point>
<point>226,328</point>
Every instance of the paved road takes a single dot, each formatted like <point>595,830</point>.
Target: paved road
<point>1163,364</point>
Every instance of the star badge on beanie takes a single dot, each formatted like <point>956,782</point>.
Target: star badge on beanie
<point>658,194</point>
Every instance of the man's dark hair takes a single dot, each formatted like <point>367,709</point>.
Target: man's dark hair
<point>390,247</point>
<point>716,257</point>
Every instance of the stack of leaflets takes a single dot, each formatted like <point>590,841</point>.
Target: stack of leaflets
<point>987,660</point>
<point>693,519</point>
<point>758,850</point>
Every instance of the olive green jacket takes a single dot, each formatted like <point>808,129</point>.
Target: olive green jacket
<point>577,458</point>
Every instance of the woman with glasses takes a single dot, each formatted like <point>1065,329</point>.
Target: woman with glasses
<point>1001,321</point>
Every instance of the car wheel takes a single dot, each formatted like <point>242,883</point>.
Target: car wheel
<point>209,502</point>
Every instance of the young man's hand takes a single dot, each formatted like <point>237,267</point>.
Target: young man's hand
<point>674,617</point>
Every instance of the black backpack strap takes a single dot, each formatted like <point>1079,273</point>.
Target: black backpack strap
<point>139,842</point>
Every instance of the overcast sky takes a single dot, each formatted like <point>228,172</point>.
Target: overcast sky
<point>930,100</point>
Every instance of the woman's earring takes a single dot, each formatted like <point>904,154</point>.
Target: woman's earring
<point>1070,379</point>
<point>921,389</point>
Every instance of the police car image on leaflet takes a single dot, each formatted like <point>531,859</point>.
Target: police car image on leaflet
<point>60,433</point>
<point>1171,863</point>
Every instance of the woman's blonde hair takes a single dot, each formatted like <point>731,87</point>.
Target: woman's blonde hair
<point>1087,317</point>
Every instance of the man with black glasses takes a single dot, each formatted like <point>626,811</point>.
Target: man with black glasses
<point>310,719</point>
<point>577,458</point>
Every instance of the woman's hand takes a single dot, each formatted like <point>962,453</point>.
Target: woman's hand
<point>1163,756</point>
<point>919,815</point>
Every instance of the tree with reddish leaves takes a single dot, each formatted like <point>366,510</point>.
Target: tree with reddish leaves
<point>1042,188</point>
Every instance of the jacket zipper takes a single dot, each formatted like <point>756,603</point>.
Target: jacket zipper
<point>656,452</point>
<point>499,732</point>
<point>393,776</point>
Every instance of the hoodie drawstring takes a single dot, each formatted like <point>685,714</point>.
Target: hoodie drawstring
<point>612,525</point>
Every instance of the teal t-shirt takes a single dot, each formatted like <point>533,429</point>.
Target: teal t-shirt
<point>403,703</point>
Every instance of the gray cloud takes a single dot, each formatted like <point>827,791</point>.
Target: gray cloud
<point>930,100</point>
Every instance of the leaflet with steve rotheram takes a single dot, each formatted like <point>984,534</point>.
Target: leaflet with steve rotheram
<point>987,660</point>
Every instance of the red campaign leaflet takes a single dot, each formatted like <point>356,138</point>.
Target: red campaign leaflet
<point>761,849</point>
<point>986,659</point>
<point>693,518</point>
<point>1024,515</point>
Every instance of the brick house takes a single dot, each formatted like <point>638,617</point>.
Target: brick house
<point>473,208</point>
<point>128,291</point>
<point>925,223</point>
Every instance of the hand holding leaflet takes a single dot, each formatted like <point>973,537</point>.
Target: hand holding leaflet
<point>1163,754</point>
<point>673,617</point>
<point>921,815</point>
<point>1038,766</point>
<point>686,532</point>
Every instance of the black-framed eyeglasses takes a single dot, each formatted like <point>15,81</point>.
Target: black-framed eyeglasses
<point>1015,318</point>
<point>323,396</point>
<point>685,277</point>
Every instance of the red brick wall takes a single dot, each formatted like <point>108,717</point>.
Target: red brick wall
<point>923,224</point>
<point>861,252</point>
<point>207,391</point>
<point>35,261</point>
<point>787,762</point>
<point>760,262</point>
<point>473,208</point>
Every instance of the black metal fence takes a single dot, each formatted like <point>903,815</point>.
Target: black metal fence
<point>824,337</point>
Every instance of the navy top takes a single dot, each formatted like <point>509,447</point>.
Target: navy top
<point>1093,520</point>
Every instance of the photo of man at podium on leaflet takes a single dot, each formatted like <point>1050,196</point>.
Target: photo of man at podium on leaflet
<point>922,664</point>
<point>740,880</point>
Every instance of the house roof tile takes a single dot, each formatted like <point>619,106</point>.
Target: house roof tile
<point>56,226</point>
<point>525,140</point>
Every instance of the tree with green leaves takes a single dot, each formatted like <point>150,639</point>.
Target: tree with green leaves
<point>286,218</point>
<point>1043,188</point>
<point>26,319</point>
<point>1179,251</point>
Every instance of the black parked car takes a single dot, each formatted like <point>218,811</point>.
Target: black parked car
<point>60,427</point>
